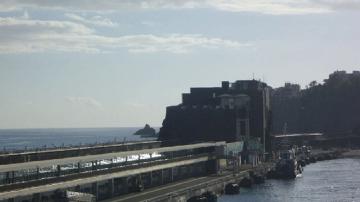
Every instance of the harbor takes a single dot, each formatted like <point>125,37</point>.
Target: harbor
<point>329,180</point>
<point>176,173</point>
<point>188,161</point>
<point>179,101</point>
<point>163,165</point>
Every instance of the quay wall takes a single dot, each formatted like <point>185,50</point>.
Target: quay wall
<point>216,185</point>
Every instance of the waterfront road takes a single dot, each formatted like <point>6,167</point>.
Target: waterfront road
<point>88,180</point>
<point>172,189</point>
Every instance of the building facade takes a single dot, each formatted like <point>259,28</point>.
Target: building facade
<point>233,112</point>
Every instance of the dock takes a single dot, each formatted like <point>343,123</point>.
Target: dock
<point>136,172</point>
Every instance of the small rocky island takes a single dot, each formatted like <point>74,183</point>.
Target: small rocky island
<point>147,131</point>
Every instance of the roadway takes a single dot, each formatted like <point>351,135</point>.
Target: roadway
<point>72,183</point>
<point>172,189</point>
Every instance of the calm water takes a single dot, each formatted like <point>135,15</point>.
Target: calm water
<point>18,139</point>
<point>334,180</point>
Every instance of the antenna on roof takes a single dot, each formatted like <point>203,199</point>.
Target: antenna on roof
<point>253,76</point>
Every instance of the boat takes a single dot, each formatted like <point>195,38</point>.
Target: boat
<point>287,166</point>
<point>303,155</point>
<point>232,188</point>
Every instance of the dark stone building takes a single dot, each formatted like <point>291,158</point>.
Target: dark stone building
<point>232,112</point>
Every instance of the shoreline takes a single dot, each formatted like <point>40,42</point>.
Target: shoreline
<point>335,153</point>
<point>352,153</point>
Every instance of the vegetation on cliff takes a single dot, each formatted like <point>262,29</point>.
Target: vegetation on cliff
<point>331,107</point>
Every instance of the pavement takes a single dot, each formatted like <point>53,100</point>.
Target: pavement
<point>89,180</point>
<point>170,189</point>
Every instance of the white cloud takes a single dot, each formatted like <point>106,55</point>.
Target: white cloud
<point>259,6</point>
<point>174,43</point>
<point>85,101</point>
<point>8,5</point>
<point>274,7</point>
<point>340,4</point>
<point>94,20</point>
<point>19,35</point>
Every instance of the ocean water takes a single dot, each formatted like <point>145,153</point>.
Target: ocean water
<point>333,180</point>
<point>21,139</point>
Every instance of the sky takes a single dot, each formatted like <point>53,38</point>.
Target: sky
<point>119,63</point>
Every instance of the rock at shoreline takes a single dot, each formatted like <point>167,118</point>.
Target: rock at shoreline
<point>146,131</point>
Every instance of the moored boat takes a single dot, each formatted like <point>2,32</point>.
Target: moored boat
<point>287,167</point>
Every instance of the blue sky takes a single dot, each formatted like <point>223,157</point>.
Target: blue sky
<point>118,63</point>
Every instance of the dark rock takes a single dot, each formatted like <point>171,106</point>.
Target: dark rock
<point>146,131</point>
<point>312,159</point>
<point>246,182</point>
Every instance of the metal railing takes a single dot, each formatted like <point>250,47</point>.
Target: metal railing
<point>53,177</point>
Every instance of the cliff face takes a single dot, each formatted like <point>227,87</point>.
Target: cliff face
<point>183,126</point>
<point>332,107</point>
<point>227,113</point>
<point>286,115</point>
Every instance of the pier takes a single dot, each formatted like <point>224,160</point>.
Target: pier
<point>133,172</point>
<point>189,188</point>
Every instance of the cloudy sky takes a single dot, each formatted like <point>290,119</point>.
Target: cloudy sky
<point>117,63</point>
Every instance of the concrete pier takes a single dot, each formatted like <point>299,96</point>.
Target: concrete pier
<point>174,173</point>
<point>185,189</point>
<point>105,181</point>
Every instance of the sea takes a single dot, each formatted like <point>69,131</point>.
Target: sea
<point>329,181</point>
<point>31,139</point>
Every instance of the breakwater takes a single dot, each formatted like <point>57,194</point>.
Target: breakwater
<point>321,155</point>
